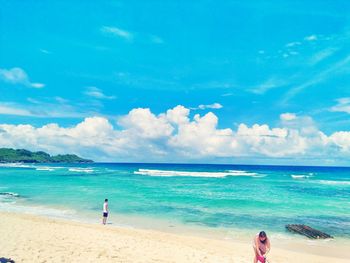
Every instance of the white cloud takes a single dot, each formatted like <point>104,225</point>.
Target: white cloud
<point>131,36</point>
<point>37,85</point>
<point>55,139</point>
<point>40,109</point>
<point>10,110</point>
<point>227,94</point>
<point>34,101</point>
<point>45,51</point>
<point>288,116</point>
<point>293,44</point>
<point>311,38</point>
<point>115,31</point>
<point>293,53</point>
<point>208,106</point>
<point>345,100</point>
<point>174,135</point>
<point>271,83</point>
<point>178,115</point>
<point>97,93</point>
<point>145,124</point>
<point>323,54</point>
<point>18,76</point>
<point>275,142</point>
<point>61,100</point>
<point>343,105</point>
<point>200,137</point>
<point>322,76</point>
<point>342,140</point>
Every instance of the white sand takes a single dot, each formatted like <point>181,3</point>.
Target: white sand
<point>27,238</point>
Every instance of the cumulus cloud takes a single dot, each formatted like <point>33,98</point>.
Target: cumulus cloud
<point>200,137</point>
<point>272,142</point>
<point>144,123</point>
<point>342,140</point>
<point>142,135</point>
<point>18,76</point>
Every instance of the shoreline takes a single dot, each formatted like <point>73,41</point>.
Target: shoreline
<point>143,222</point>
<point>28,238</point>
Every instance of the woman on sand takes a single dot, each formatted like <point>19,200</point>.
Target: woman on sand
<point>261,247</point>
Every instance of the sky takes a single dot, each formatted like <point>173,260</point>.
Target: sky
<point>250,82</point>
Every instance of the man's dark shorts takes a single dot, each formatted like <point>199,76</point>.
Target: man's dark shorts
<point>105,214</point>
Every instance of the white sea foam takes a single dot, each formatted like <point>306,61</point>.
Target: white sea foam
<point>10,194</point>
<point>81,170</point>
<point>300,176</point>
<point>8,197</point>
<point>16,165</point>
<point>169,173</point>
<point>45,169</point>
<point>244,173</point>
<point>329,182</point>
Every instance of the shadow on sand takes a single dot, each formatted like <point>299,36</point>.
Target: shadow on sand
<point>6,260</point>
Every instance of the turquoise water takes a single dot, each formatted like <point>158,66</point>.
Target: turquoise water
<point>209,196</point>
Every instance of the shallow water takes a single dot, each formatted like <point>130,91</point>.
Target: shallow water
<point>210,197</point>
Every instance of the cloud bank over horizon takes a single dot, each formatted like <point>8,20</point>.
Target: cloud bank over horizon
<point>175,136</point>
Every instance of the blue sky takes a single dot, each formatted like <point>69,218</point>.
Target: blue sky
<point>246,62</point>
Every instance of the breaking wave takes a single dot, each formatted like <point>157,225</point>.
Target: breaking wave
<point>9,194</point>
<point>170,173</point>
<point>328,182</point>
<point>81,170</point>
<point>300,176</point>
<point>16,165</point>
<point>45,169</point>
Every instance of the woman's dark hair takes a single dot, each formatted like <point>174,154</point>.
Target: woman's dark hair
<point>106,200</point>
<point>263,234</point>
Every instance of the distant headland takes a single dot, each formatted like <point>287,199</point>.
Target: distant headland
<point>9,155</point>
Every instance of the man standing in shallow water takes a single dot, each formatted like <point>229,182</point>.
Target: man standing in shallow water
<point>261,245</point>
<point>105,212</point>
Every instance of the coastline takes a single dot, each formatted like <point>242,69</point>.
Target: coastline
<point>28,238</point>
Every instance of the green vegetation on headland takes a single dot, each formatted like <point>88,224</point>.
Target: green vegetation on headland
<point>8,155</point>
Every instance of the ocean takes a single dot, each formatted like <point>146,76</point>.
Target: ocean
<point>230,200</point>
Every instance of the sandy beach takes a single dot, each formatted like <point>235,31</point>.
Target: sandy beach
<point>28,238</point>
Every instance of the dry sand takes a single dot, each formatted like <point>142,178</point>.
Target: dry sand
<point>28,238</point>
